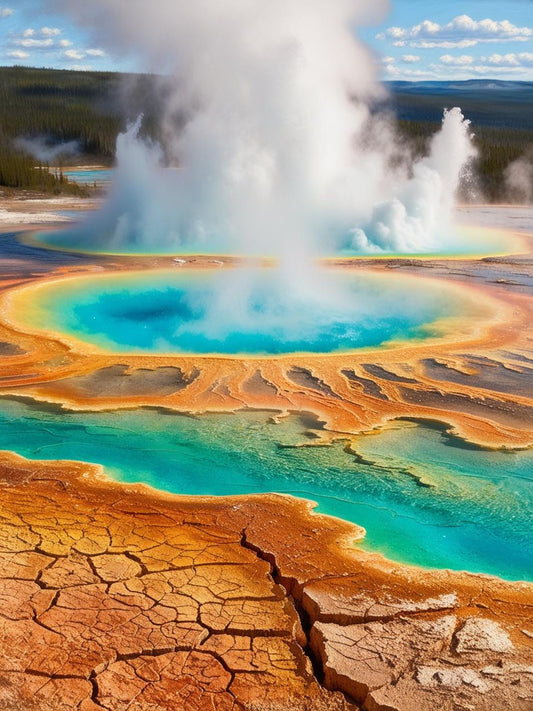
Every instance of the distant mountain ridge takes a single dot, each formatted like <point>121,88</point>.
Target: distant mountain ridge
<point>485,102</point>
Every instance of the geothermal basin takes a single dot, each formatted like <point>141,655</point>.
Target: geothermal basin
<point>239,311</point>
<point>423,498</point>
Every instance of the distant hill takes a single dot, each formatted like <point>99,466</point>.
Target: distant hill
<point>491,103</point>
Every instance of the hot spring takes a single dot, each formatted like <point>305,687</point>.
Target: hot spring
<point>236,311</point>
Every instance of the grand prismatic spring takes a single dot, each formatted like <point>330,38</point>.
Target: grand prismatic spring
<point>266,399</point>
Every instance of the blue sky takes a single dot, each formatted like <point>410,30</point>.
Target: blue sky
<point>419,40</point>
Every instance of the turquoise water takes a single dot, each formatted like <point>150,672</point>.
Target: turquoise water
<point>95,237</point>
<point>467,509</point>
<point>88,177</point>
<point>236,311</point>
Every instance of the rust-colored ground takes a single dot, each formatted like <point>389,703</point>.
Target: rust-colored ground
<point>119,598</point>
<point>474,378</point>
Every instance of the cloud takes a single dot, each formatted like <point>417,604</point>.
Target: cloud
<point>5,12</point>
<point>41,39</point>
<point>412,74</point>
<point>462,61</point>
<point>50,31</point>
<point>17,54</point>
<point>492,70</point>
<point>490,63</point>
<point>388,60</point>
<point>410,58</point>
<point>523,59</point>
<point>460,32</point>
<point>74,54</point>
<point>482,69</point>
<point>41,43</point>
<point>460,44</point>
<point>49,42</point>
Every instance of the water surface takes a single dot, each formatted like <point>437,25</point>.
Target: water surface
<point>238,311</point>
<point>89,177</point>
<point>427,500</point>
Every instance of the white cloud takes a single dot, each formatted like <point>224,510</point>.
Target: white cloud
<point>483,69</point>
<point>81,67</point>
<point>74,54</point>
<point>388,60</point>
<point>410,58</point>
<point>523,59</point>
<point>41,43</point>
<point>492,70</point>
<point>17,54</point>
<point>460,44</point>
<point>461,29</point>
<point>462,61</point>
<point>5,12</point>
<point>417,73</point>
<point>50,31</point>
<point>48,40</point>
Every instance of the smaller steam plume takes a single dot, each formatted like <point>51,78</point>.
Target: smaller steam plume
<point>519,180</point>
<point>417,217</point>
<point>46,150</point>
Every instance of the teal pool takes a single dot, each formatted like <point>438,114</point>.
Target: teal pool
<point>426,500</point>
<point>112,230</point>
<point>239,311</point>
<point>89,177</point>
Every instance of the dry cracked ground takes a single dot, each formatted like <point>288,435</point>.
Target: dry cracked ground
<point>116,598</point>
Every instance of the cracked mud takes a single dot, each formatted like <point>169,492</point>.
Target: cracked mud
<point>117,598</point>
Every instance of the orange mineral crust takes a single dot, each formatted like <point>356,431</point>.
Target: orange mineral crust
<point>116,598</point>
<point>473,377</point>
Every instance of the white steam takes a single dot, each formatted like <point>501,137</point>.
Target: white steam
<point>47,150</point>
<point>519,180</point>
<point>417,216</point>
<point>269,121</point>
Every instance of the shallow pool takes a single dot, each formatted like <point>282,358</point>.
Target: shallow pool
<point>89,177</point>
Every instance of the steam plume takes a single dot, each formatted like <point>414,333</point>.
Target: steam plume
<point>270,124</point>
<point>47,150</point>
<point>519,179</point>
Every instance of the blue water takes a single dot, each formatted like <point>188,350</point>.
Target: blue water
<point>97,237</point>
<point>236,311</point>
<point>89,177</point>
<point>425,501</point>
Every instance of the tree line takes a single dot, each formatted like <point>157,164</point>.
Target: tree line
<point>91,108</point>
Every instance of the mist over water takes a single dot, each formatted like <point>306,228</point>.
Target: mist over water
<point>244,311</point>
